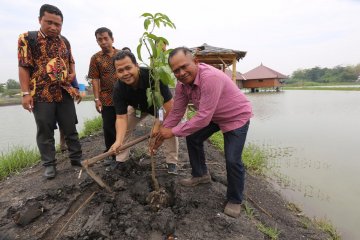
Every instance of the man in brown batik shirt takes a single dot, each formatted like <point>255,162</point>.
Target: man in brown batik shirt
<point>46,70</point>
<point>102,73</point>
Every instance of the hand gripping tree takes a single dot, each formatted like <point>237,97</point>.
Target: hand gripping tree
<point>159,71</point>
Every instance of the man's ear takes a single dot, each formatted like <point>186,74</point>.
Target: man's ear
<point>196,60</point>
<point>39,19</point>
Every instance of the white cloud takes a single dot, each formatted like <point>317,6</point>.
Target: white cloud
<point>283,34</point>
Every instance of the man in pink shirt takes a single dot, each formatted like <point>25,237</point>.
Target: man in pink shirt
<point>221,106</point>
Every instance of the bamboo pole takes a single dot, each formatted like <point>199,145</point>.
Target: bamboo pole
<point>234,70</point>
<point>92,161</point>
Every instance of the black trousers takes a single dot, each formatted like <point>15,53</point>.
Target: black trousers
<point>109,118</point>
<point>46,115</point>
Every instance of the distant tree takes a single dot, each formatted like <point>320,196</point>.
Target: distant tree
<point>88,80</point>
<point>2,87</point>
<point>12,84</point>
<point>326,75</point>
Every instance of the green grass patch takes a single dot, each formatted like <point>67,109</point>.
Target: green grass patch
<point>255,159</point>
<point>272,233</point>
<point>249,211</point>
<point>327,227</point>
<point>91,126</point>
<point>16,160</point>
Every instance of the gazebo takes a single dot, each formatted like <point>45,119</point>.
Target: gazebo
<point>262,77</point>
<point>221,58</point>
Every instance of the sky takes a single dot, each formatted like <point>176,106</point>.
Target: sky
<point>285,35</point>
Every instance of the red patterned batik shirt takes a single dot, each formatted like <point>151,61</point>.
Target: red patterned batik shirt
<point>102,68</point>
<point>49,66</point>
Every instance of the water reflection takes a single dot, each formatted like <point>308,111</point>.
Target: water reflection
<point>18,127</point>
<point>312,138</point>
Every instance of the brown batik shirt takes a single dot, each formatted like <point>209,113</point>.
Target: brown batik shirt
<point>102,68</point>
<point>49,66</point>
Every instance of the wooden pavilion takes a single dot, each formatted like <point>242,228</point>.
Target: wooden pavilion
<point>221,58</point>
<point>262,77</point>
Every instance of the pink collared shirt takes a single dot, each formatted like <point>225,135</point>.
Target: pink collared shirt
<point>216,98</point>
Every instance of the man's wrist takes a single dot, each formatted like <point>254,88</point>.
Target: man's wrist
<point>96,99</point>
<point>23,94</point>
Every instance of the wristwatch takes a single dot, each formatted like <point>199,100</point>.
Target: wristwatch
<point>96,99</point>
<point>23,94</point>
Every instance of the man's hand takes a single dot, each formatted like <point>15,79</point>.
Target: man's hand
<point>115,147</point>
<point>166,133</point>
<point>27,103</point>
<point>156,128</point>
<point>155,142</point>
<point>98,105</point>
<point>78,97</point>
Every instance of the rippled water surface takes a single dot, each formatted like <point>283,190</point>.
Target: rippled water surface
<point>314,140</point>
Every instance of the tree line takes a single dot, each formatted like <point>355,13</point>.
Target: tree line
<point>10,88</point>
<point>338,74</point>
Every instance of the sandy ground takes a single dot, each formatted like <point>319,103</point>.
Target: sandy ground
<point>69,207</point>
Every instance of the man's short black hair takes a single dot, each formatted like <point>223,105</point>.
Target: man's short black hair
<point>185,50</point>
<point>123,54</point>
<point>126,49</point>
<point>50,9</point>
<point>103,30</point>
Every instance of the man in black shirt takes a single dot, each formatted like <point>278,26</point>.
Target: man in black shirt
<point>130,90</point>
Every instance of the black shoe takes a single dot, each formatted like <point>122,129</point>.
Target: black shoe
<point>50,172</point>
<point>76,163</point>
<point>109,160</point>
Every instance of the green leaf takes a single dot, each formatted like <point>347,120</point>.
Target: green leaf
<point>147,22</point>
<point>158,14</point>
<point>163,39</point>
<point>138,50</point>
<point>159,100</point>
<point>157,22</point>
<point>152,36</point>
<point>166,75</point>
<point>166,17</point>
<point>149,95</point>
<point>146,15</point>
<point>153,48</point>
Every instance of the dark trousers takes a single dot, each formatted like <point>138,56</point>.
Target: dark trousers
<point>46,115</point>
<point>233,146</point>
<point>109,118</point>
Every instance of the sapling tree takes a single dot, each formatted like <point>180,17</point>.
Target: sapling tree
<point>159,70</point>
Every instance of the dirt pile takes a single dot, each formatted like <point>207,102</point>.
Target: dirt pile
<point>70,207</point>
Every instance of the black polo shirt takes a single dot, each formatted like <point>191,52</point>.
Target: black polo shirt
<point>125,95</point>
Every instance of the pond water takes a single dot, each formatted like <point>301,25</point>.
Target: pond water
<point>18,128</point>
<point>314,138</point>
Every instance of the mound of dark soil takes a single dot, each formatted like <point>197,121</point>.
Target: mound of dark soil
<point>69,207</point>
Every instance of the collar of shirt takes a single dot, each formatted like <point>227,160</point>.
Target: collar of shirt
<point>104,53</point>
<point>44,35</point>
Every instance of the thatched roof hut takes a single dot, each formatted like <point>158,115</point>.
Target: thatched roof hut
<point>219,57</point>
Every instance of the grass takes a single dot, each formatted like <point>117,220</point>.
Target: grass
<point>272,233</point>
<point>326,226</point>
<point>16,160</point>
<point>91,126</point>
<point>249,211</point>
